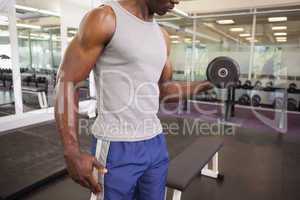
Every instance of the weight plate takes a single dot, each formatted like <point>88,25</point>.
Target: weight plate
<point>255,101</point>
<point>223,72</point>
<point>292,104</point>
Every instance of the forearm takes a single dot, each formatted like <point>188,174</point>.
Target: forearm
<point>173,91</point>
<point>66,116</point>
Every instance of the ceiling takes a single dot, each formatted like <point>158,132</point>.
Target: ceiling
<point>196,6</point>
<point>52,5</point>
<point>206,26</point>
<point>211,6</point>
<point>264,32</point>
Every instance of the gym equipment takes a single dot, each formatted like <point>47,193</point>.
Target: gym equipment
<point>7,108</point>
<point>192,162</point>
<point>6,78</point>
<point>278,102</point>
<point>4,57</point>
<point>269,84</point>
<point>210,96</point>
<point>269,87</point>
<point>27,80</point>
<point>292,104</point>
<point>292,88</point>
<point>247,85</point>
<point>206,96</point>
<point>1,76</point>
<point>213,96</point>
<point>40,93</point>
<point>244,100</point>
<point>255,100</point>
<point>239,84</point>
<point>229,106</point>
<point>35,82</point>
<point>223,72</point>
<point>258,85</point>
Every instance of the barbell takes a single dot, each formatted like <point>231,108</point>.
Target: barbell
<point>223,72</point>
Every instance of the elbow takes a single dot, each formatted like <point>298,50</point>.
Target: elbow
<point>162,92</point>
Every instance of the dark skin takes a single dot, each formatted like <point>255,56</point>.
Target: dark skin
<point>96,30</point>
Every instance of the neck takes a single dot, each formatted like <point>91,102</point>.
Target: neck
<point>141,9</point>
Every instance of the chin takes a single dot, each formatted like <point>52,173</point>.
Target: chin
<point>161,12</point>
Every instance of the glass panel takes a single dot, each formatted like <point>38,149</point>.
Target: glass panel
<point>276,56</point>
<point>224,39</point>
<point>181,48</point>
<point>6,82</point>
<point>40,55</point>
<point>269,59</point>
<point>214,36</point>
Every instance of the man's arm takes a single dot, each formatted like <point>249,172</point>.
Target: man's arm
<point>177,90</point>
<point>95,31</point>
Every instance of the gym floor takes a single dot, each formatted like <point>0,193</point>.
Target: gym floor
<point>256,164</point>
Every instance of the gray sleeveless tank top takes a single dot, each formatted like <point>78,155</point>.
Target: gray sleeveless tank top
<point>126,78</point>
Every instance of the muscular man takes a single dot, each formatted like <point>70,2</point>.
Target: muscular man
<point>129,55</point>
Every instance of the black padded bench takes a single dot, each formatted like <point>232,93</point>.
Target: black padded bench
<point>39,92</point>
<point>193,161</point>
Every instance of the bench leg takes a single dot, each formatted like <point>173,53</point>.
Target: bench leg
<point>45,100</point>
<point>214,172</point>
<point>42,99</point>
<point>166,193</point>
<point>176,195</point>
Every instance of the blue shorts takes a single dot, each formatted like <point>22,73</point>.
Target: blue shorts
<point>136,170</point>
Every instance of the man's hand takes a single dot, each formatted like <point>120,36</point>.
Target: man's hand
<point>80,167</point>
<point>204,86</point>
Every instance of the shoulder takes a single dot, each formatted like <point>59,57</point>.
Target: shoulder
<point>98,24</point>
<point>103,14</point>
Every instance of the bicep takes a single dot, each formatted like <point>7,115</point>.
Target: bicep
<point>78,60</point>
<point>167,72</point>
